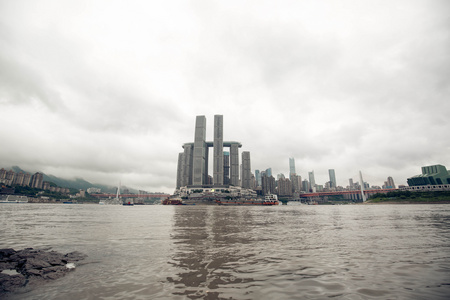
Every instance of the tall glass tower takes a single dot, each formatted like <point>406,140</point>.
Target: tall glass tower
<point>332,178</point>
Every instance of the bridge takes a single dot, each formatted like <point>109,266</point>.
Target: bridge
<point>131,195</point>
<point>348,195</point>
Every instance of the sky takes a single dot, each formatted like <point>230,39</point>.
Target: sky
<point>108,91</point>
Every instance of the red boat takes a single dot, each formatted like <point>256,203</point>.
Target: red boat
<point>172,201</point>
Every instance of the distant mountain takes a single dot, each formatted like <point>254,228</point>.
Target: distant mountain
<point>77,183</point>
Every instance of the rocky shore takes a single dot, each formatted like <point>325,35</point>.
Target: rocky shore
<point>31,266</point>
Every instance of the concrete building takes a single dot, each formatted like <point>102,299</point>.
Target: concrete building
<point>200,162</point>
<point>218,150</point>
<point>226,168</point>
<point>284,187</point>
<point>37,180</point>
<point>268,184</point>
<point>258,178</point>
<point>192,169</point>
<point>431,175</point>
<point>246,170</point>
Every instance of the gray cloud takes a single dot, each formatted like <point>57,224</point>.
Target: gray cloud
<point>110,92</point>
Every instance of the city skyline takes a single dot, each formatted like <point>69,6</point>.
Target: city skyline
<point>346,85</point>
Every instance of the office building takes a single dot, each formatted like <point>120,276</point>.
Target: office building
<point>291,167</point>
<point>312,180</point>
<point>332,178</point>
<point>246,170</point>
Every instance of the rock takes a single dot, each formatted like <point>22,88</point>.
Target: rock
<point>34,266</point>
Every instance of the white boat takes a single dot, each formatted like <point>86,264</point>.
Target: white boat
<point>13,199</point>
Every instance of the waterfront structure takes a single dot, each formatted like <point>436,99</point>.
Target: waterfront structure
<point>431,175</point>
<point>332,178</point>
<point>192,168</point>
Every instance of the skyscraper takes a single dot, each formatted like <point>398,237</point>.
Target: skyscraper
<point>246,170</point>
<point>312,181</point>
<point>332,178</point>
<point>234,164</point>
<point>218,150</point>
<point>226,167</point>
<point>200,165</point>
<point>258,178</point>
<point>291,167</point>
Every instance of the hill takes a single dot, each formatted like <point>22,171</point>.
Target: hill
<point>77,183</point>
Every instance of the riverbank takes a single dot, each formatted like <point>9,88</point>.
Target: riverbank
<point>32,267</point>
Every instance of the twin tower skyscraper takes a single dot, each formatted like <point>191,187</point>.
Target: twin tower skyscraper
<point>192,168</point>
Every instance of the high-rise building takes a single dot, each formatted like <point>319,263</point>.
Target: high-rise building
<point>269,172</point>
<point>200,156</point>
<point>390,183</point>
<point>267,184</point>
<point>332,178</point>
<point>312,180</point>
<point>37,180</point>
<point>226,167</point>
<point>218,150</point>
<point>291,167</point>
<point>258,178</point>
<point>234,164</point>
<point>180,170</point>
<point>246,170</point>
<point>296,181</point>
<point>284,187</point>
<point>192,167</point>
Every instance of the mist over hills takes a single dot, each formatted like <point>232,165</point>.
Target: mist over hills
<point>77,183</point>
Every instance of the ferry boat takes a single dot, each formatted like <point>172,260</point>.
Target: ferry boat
<point>172,201</point>
<point>13,199</point>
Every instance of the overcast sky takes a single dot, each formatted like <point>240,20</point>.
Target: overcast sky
<point>109,90</point>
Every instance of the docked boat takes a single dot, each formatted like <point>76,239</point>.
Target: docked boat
<point>172,201</point>
<point>13,199</point>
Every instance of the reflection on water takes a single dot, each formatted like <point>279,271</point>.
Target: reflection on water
<point>211,243</point>
<point>207,252</point>
<point>351,252</point>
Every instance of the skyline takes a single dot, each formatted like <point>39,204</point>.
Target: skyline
<point>108,91</point>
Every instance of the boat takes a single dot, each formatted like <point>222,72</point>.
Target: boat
<point>13,199</point>
<point>173,200</point>
<point>129,203</point>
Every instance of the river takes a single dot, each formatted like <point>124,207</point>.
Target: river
<point>212,252</point>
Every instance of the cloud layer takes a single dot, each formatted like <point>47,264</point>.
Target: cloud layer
<point>109,91</point>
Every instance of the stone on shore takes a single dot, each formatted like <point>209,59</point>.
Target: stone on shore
<point>32,266</point>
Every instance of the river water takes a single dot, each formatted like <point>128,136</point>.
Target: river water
<point>209,252</point>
